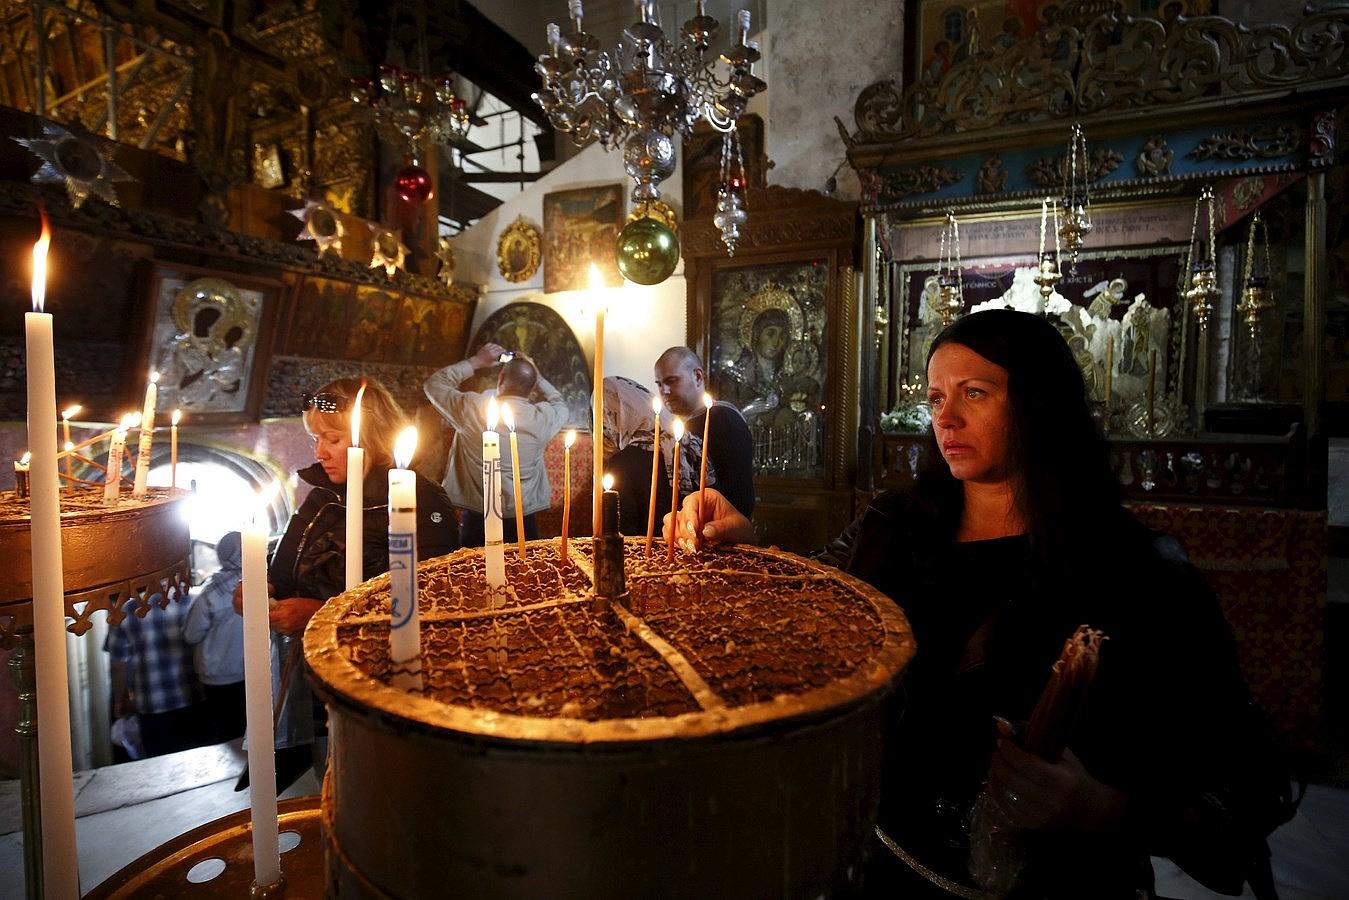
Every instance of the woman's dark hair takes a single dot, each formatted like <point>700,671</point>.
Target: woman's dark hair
<point>1065,489</point>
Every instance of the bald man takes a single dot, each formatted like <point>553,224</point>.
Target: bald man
<point>730,458</point>
<point>536,423</point>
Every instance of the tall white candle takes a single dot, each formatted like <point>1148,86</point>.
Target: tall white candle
<point>655,473</point>
<point>597,413</point>
<point>258,694</point>
<point>112,480</point>
<point>674,489</point>
<point>356,498</point>
<point>566,490</point>
<point>173,447</point>
<point>494,555</point>
<point>140,489</point>
<point>60,861</point>
<point>405,641</point>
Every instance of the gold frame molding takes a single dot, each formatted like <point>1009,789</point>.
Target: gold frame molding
<point>519,232</point>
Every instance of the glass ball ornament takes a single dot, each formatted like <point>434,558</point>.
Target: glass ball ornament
<point>648,251</point>
<point>413,184</point>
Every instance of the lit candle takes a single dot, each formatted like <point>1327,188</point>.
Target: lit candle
<point>597,414</point>
<point>674,490</point>
<point>1152,390</point>
<point>60,862</point>
<point>140,488</point>
<point>494,555</point>
<point>66,415</point>
<point>655,473</point>
<point>566,491</point>
<point>112,479</point>
<point>173,447</point>
<point>702,468</point>
<point>21,471</point>
<point>1109,369</point>
<point>509,419</point>
<point>356,498</point>
<point>258,696</point>
<point>405,641</point>
<point>742,27</point>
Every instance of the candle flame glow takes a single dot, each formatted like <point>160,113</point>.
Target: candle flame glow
<point>70,412</point>
<point>405,447</point>
<point>131,420</point>
<point>154,376</point>
<point>596,277</point>
<point>678,430</point>
<point>264,500</point>
<point>356,417</point>
<point>656,405</point>
<point>507,416</point>
<point>707,400</point>
<point>493,413</point>
<point>26,458</point>
<point>607,481</point>
<point>177,417</point>
<point>40,263</point>
<point>570,439</point>
<point>70,445</point>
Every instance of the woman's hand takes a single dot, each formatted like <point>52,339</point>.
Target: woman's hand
<point>1033,793</point>
<point>718,521</point>
<point>291,615</point>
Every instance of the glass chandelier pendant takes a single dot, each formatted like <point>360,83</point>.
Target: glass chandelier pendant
<point>730,214</point>
<point>1076,200</point>
<point>950,283</point>
<point>1047,274</point>
<point>1204,293</point>
<point>638,94</point>
<point>1256,293</point>
<point>408,110</point>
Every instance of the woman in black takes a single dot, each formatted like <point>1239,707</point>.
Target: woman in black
<point>1013,537</point>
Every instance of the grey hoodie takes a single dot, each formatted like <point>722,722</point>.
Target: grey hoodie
<point>216,630</point>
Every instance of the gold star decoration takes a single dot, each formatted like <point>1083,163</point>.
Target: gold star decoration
<point>387,249</point>
<point>321,225</point>
<point>445,253</point>
<point>79,161</point>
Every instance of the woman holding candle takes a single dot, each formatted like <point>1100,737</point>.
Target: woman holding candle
<point>996,556</point>
<point>628,441</point>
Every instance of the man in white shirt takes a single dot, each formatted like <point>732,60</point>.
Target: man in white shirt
<point>536,423</point>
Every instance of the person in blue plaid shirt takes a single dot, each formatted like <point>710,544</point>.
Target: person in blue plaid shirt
<point>152,676</point>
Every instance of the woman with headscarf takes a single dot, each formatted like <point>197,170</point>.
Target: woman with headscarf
<point>628,440</point>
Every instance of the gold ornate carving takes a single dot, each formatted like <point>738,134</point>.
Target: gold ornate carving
<point>1155,158</point>
<point>1114,63</point>
<point>518,251</point>
<point>655,209</point>
<point>1049,171</point>
<point>1239,146</point>
<point>917,180</point>
<point>992,177</point>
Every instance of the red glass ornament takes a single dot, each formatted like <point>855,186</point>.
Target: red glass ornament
<point>413,184</point>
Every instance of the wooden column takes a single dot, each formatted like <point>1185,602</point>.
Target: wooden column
<point>1313,338</point>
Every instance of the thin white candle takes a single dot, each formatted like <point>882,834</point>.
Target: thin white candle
<point>140,489</point>
<point>509,419</point>
<point>405,639</point>
<point>494,555</point>
<point>112,479</point>
<point>173,447</point>
<point>674,490</point>
<point>566,490</point>
<point>66,415</point>
<point>60,861</point>
<point>702,469</point>
<point>355,571</point>
<point>597,413</point>
<point>258,696</point>
<point>655,473</point>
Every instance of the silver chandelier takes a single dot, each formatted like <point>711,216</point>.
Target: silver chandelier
<point>646,88</point>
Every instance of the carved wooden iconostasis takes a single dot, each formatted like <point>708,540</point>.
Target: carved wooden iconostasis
<point>1168,109</point>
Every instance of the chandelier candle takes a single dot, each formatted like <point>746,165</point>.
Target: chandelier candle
<point>66,416</point>
<point>494,555</point>
<point>112,479</point>
<point>258,696</point>
<point>702,469</point>
<point>405,640</point>
<point>140,489</point>
<point>597,393</point>
<point>60,862</point>
<point>674,491</point>
<point>356,498</point>
<point>566,493</point>
<point>655,473</point>
<point>173,448</point>
<point>509,419</point>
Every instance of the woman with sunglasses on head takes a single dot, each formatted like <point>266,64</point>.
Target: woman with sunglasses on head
<point>1013,537</point>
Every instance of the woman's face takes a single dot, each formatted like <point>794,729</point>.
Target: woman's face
<point>772,341</point>
<point>971,413</point>
<point>331,440</point>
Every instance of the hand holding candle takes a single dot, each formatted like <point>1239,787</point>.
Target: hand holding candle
<point>702,469</point>
<point>655,473</point>
<point>173,448</point>
<point>509,419</point>
<point>494,557</point>
<point>674,489</point>
<point>405,641</point>
<point>566,491</point>
<point>141,488</point>
<point>355,561</point>
<point>258,695</point>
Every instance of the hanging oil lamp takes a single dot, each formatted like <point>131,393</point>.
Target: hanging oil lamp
<point>1204,293</point>
<point>950,299</point>
<point>1076,199</point>
<point>730,214</point>
<point>1256,294</point>
<point>1047,274</point>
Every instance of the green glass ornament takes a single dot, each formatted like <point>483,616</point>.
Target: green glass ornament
<point>648,251</point>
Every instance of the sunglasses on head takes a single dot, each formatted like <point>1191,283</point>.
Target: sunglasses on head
<point>324,402</point>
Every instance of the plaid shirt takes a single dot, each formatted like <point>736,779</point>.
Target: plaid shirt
<point>158,659</point>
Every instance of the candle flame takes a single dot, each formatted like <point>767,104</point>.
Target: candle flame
<point>70,445</point>
<point>177,417</point>
<point>507,416</point>
<point>569,439</point>
<point>493,413</point>
<point>70,412</point>
<point>596,277</point>
<point>26,458</point>
<point>607,481</point>
<point>40,263</point>
<point>265,496</point>
<point>678,430</point>
<point>405,447</point>
<point>356,417</point>
<point>656,405</point>
<point>707,400</point>
<point>154,376</point>
<point>132,420</point>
